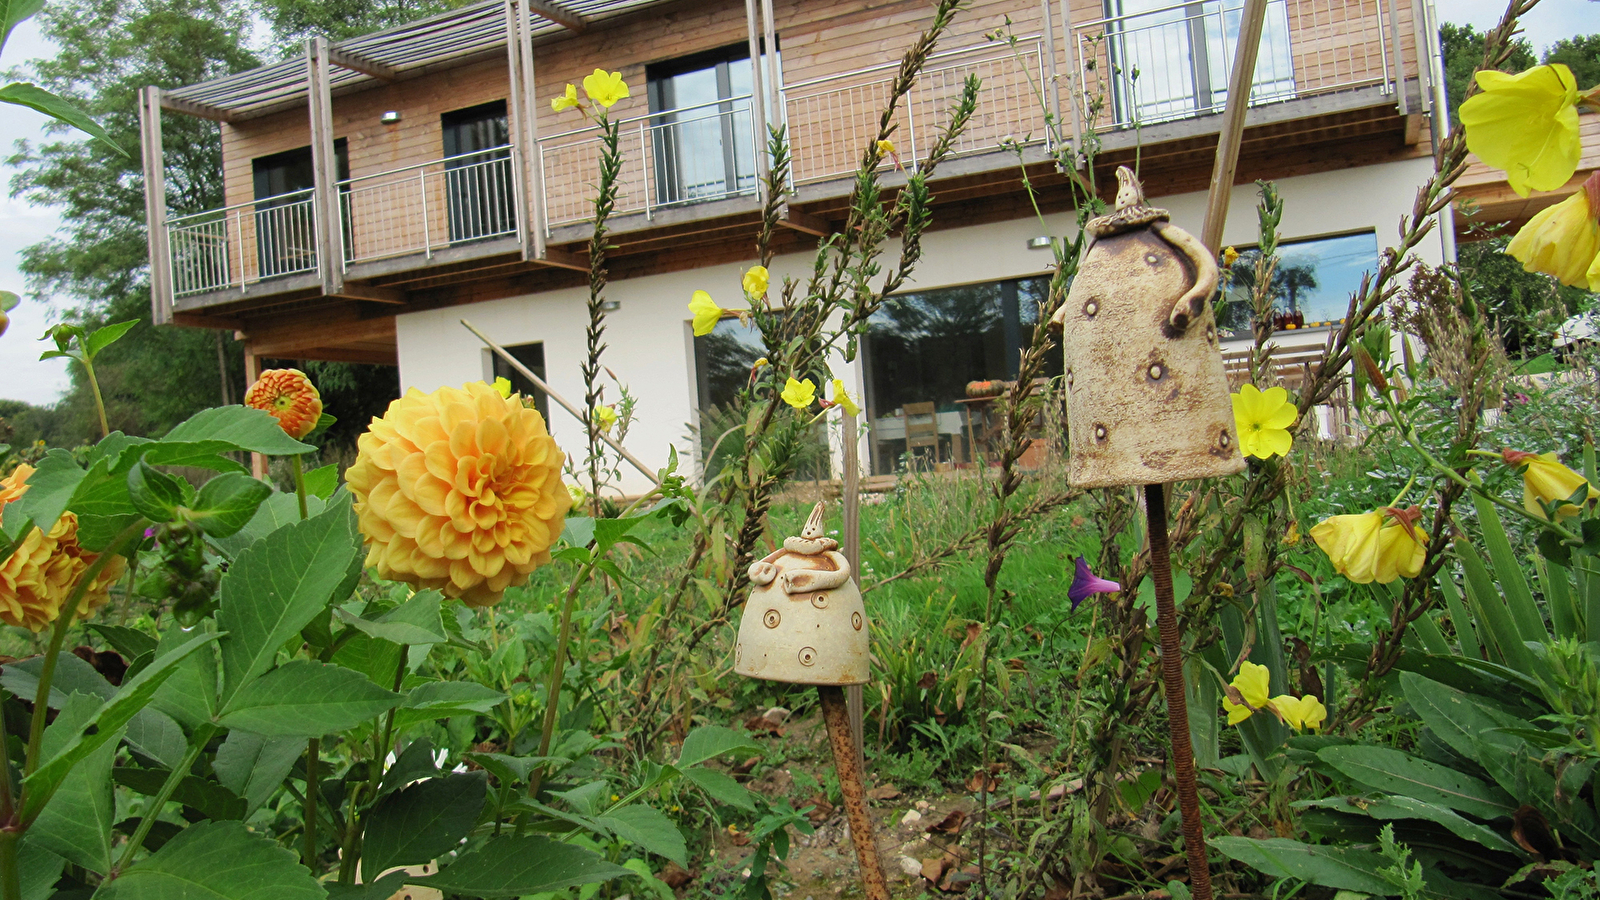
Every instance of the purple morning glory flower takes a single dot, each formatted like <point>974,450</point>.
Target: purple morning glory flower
<point>1085,582</point>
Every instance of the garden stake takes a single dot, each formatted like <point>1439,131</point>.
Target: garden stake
<point>1148,402</point>
<point>805,624</point>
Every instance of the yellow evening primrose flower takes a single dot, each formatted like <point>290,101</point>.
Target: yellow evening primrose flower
<point>1564,240</point>
<point>886,147</point>
<point>1546,480</point>
<point>1252,685</point>
<point>1263,419</point>
<point>1229,256</point>
<point>1301,713</point>
<point>606,416</point>
<point>567,101</point>
<point>502,386</point>
<point>605,88</point>
<point>1380,546</point>
<point>755,281</point>
<point>799,394</point>
<point>706,313</point>
<point>1526,124</point>
<point>843,398</point>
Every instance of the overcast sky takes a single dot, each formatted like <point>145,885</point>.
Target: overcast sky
<point>24,377</point>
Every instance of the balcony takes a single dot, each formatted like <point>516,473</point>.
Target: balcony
<point>1137,80</point>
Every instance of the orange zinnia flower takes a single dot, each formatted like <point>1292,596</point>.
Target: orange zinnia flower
<point>291,398</point>
<point>459,490</point>
<point>39,577</point>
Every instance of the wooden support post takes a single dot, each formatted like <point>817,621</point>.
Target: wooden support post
<point>155,205</point>
<point>1069,44</point>
<point>1239,84</point>
<point>758,100</point>
<point>1051,86</point>
<point>850,503</point>
<point>516,114</point>
<point>252,371</point>
<point>1403,101</point>
<point>324,169</point>
<point>771,67</point>
<point>532,161</point>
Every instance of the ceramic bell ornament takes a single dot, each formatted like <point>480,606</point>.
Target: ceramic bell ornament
<point>1147,400</point>
<point>805,624</point>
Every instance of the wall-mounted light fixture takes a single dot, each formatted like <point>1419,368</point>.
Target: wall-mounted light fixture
<point>390,117</point>
<point>1042,242</point>
<point>610,305</point>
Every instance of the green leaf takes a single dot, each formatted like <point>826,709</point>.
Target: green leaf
<point>77,824</point>
<point>106,723</point>
<point>8,302</point>
<point>37,98</point>
<point>415,762</point>
<point>14,13</point>
<point>254,766</point>
<point>443,699</point>
<point>41,869</point>
<point>149,731</point>
<point>508,866</point>
<point>227,503</point>
<point>50,488</point>
<point>190,695</point>
<point>1390,807</point>
<point>274,588</point>
<point>1495,621</point>
<point>1334,867</point>
<point>416,621</point>
<point>306,699</point>
<point>650,829</point>
<point>382,889</point>
<point>156,495</point>
<point>215,861</point>
<point>422,822</point>
<point>578,531</point>
<point>106,336</point>
<point>722,787</point>
<point>711,741</point>
<point>276,512</point>
<point>238,427</point>
<point>322,481</point>
<point>1394,772</point>
<point>1508,573</point>
<point>130,642</point>
<point>1456,717</point>
<point>210,799</point>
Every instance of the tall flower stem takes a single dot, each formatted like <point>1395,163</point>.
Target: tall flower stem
<point>610,167</point>
<point>197,744</point>
<point>10,865</point>
<point>300,485</point>
<point>99,402</point>
<point>308,855</point>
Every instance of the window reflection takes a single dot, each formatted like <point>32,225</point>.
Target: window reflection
<point>722,361</point>
<point>1311,286</point>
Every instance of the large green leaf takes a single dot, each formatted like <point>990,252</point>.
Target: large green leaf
<point>215,861</point>
<point>512,866</point>
<point>1334,867</point>
<point>416,621</point>
<point>721,787</point>
<point>12,14</point>
<point>210,799</point>
<point>227,503</point>
<point>277,586</point>
<point>1508,573</point>
<point>302,698</point>
<point>1391,807</point>
<point>40,870</point>
<point>150,731</point>
<point>253,766</point>
<point>422,822</point>
<point>37,98</point>
<point>276,512</point>
<point>1394,772</point>
<point>1498,625</point>
<point>105,336</point>
<point>50,488</point>
<point>76,825</point>
<point>107,723</point>
<point>1456,717</point>
<point>711,741</point>
<point>442,699</point>
<point>240,427</point>
<point>650,829</point>
<point>190,695</point>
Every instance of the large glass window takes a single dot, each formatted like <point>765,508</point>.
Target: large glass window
<point>286,239</point>
<point>1174,57</point>
<point>703,138</point>
<point>923,350</point>
<point>478,176</point>
<point>1311,286</point>
<point>722,361</point>
<point>532,356</point>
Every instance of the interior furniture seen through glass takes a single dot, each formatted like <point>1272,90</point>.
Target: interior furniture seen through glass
<point>722,363</point>
<point>1311,286</point>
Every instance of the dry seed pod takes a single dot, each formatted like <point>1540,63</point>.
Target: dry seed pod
<point>1147,400</point>
<point>804,623</point>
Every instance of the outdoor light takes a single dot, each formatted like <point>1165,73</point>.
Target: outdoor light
<point>390,117</point>
<point>1042,242</point>
<point>610,305</point>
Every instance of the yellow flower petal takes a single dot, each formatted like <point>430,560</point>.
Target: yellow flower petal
<point>502,386</point>
<point>1563,241</point>
<point>606,416</point>
<point>843,398</point>
<point>605,88</point>
<point>755,281</point>
<point>886,147</point>
<point>1263,419</point>
<point>799,394</point>
<point>1526,124</point>
<point>1546,480</point>
<point>567,101</point>
<point>1372,546</point>
<point>706,313</point>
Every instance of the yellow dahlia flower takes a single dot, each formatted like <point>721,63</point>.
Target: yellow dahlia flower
<point>1380,546</point>
<point>1526,124</point>
<point>291,398</point>
<point>459,490</point>
<point>43,572</point>
<point>1564,240</point>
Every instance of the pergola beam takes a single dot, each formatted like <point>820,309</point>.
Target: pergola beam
<point>191,108</point>
<point>358,63</point>
<point>566,19</point>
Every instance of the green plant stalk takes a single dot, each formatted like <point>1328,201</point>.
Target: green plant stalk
<point>350,854</point>
<point>309,853</point>
<point>58,636</point>
<point>300,486</point>
<point>94,388</point>
<point>8,794</point>
<point>10,865</point>
<point>197,744</point>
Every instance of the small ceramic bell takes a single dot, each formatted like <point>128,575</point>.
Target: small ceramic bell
<point>1147,400</point>
<point>804,623</point>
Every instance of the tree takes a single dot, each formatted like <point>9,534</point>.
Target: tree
<point>1463,51</point>
<point>1581,54</point>
<point>295,20</point>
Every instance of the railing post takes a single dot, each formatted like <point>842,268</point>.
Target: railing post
<point>649,183</point>
<point>758,100</point>
<point>1383,46</point>
<point>427,234</point>
<point>238,231</point>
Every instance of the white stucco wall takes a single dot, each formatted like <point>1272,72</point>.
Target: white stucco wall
<point>651,347</point>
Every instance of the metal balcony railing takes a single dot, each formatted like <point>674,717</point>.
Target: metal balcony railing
<point>831,119</point>
<point>669,158</point>
<point>432,205</point>
<point>1171,62</point>
<point>237,246</point>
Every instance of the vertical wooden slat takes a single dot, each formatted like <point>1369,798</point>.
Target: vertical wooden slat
<point>517,114</point>
<point>155,205</point>
<point>324,169</point>
<point>773,71</point>
<point>758,100</point>
<point>252,371</point>
<point>1070,48</point>
<point>532,160</point>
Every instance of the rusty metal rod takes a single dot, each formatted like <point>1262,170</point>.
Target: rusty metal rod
<point>1194,836</point>
<point>836,714</point>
